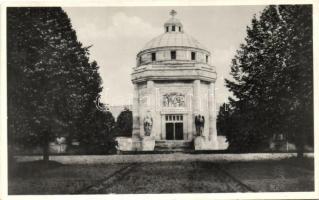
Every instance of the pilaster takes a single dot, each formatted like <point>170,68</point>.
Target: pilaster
<point>196,97</point>
<point>212,114</point>
<point>135,112</point>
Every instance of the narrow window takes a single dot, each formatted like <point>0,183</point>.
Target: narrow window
<point>180,29</point>
<point>206,58</point>
<point>153,56</point>
<point>173,28</point>
<point>140,59</point>
<point>193,56</point>
<point>173,55</point>
<point>166,28</point>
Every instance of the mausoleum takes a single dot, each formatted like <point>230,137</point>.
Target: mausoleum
<point>174,94</point>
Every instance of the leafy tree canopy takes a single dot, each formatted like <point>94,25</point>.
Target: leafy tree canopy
<point>52,84</point>
<point>272,80</point>
<point>125,123</point>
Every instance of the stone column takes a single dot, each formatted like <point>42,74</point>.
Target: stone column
<point>151,103</point>
<point>212,114</point>
<point>135,110</point>
<point>196,103</point>
<point>196,97</point>
<point>150,91</point>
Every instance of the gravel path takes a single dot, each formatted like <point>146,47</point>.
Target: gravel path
<point>141,158</point>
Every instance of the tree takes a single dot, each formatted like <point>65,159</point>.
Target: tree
<point>51,83</point>
<point>125,123</point>
<point>272,75</point>
<point>100,137</point>
<point>297,22</point>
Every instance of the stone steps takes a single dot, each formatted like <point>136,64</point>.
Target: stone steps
<point>173,145</point>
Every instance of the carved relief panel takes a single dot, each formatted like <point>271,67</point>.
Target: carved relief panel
<point>173,99</point>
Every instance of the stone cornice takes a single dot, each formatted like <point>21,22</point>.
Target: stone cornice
<point>149,72</point>
<point>175,65</point>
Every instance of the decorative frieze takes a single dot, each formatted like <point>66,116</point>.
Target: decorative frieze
<point>174,99</point>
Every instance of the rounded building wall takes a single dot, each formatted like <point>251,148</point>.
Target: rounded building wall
<point>184,54</point>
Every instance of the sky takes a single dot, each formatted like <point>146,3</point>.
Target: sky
<point>119,33</point>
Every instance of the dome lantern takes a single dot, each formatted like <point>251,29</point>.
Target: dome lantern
<point>173,25</point>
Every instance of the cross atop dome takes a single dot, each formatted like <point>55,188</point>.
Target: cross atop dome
<point>173,25</point>
<point>173,13</point>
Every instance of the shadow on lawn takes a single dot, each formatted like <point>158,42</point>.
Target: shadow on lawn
<point>305,162</point>
<point>32,168</point>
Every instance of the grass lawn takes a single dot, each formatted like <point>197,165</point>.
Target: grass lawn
<point>163,177</point>
<point>289,175</point>
<point>34,178</point>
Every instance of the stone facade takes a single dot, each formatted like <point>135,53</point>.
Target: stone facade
<point>173,81</point>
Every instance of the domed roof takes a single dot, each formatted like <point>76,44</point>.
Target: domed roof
<point>174,39</point>
<point>174,36</point>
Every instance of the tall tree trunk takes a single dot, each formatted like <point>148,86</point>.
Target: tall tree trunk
<point>300,149</point>
<point>300,143</point>
<point>46,147</point>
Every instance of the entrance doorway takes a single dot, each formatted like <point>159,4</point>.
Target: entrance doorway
<point>174,127</point>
